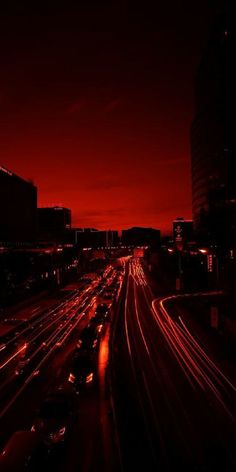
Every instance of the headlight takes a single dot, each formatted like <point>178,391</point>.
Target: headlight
<point>71,378</point>
<point>89,378</point>
<point>56,437</point>
<point>95,343</point>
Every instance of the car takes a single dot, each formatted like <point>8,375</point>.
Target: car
<point>23,451</point>
<point>82,370</point>
<point>100,286</point>
<point>108,296</point>
<point>115,284</point>
<point>55,417</point>
<point>97,290</point>
<point>98,322</point>
<point>22,367</point>
<point>89,338</point>
<point>102,309</point>
<point>110,288</point>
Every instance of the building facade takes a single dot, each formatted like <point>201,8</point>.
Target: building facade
<point>213,134</point>
<point>53,223</point>
<point>18,209</point>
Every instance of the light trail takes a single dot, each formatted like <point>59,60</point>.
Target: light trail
<point>195,360</point>
<point>192,359</point>
<point>128,341</point>
<point>23,348</point>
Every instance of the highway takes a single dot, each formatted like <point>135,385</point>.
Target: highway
<point>44,346</point>
<point>174,406</point>
<point>159,401</point>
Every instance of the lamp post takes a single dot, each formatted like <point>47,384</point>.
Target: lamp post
<point>179,280</point>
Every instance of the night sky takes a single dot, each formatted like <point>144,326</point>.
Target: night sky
<point>96,105</point>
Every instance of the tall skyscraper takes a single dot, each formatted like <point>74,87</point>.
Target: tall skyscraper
<point>213,134</point>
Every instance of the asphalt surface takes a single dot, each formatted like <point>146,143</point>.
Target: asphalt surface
<point>174,407</point>
<point>159,402</point>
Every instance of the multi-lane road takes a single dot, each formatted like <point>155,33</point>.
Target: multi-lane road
<point>160,402</point>
<point>174,406</point>
<point>35,358</point>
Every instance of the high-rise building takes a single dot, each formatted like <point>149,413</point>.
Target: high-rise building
<point>18,209</point>
<point>213,134</point>
<point>53,223</point>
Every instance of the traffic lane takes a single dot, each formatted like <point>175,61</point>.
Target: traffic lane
<point>196,316</point>
<point>183,398</point>
<point>84,450</point>
<point>22,412</point>
<point>130,421</point>
<point>196,360</point>
<point>156,384</point>
<point>19,335</point>
<point>44,300</point>
<point>34,309</point>
<point>207,396</point>
<point>202,359</point>
<point>169,394</point>
<point>91,445</point>
<point>27,342</point>
<point>41,316</point>
<point>106,422</point>
<point>36,350</point>
<point>21,417</point>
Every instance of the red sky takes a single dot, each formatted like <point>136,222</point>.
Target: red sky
<point>96,105</point>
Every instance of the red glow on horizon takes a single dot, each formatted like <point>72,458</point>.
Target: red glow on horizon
<point>103,129</point>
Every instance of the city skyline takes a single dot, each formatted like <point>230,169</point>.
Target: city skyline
<point>118,236</point>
